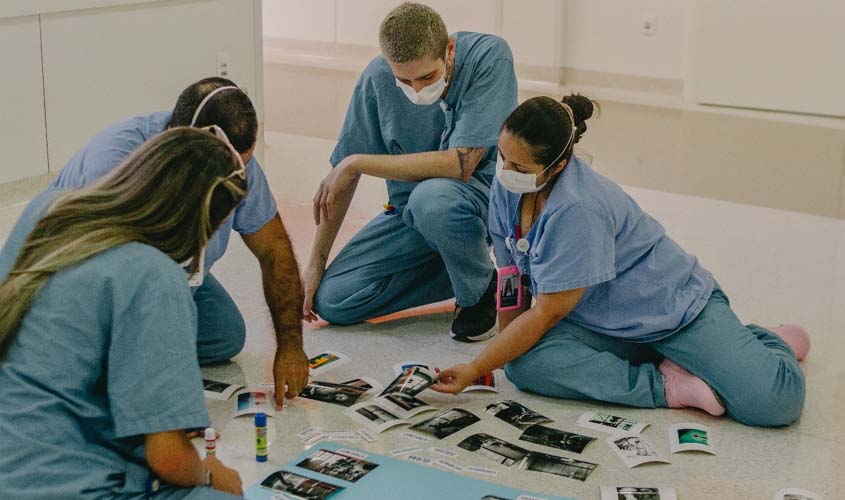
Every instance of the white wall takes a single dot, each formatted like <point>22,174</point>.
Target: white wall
<point>153,51</point>
<point>772,54</point>
<point>23,142</point>
<point>598,35</point>
<point>606,36</point>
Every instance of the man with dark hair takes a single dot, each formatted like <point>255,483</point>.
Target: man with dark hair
<point>221,330</point>
<point>425,116</point>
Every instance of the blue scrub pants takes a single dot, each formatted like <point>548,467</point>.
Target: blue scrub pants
<point>432,249</point>
<point>221,331</point>
<point>754,372</point>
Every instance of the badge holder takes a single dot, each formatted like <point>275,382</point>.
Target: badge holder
<point>509,289</point>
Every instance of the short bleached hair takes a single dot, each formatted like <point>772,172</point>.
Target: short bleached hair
<point>412,31</point>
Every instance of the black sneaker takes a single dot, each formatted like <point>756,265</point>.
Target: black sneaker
<point>478,322</point>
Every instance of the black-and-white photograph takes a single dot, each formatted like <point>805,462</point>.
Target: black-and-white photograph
<point>516,414</point>
<point>554,438</point>
<point>795,494</point>
<point>559,466</point>
<point>376,414</point>
<point>338,394</point>
<point>212,386</point>
<point>219,390</point>
<point>636,493</point>
<point>411,382</point>
<point>407,403</point>
<point>360,383</point>
<point>300,486</point>
<point>446,423</point>
<point>338,465</point>
<point>496,449</point>
<point>634,449</point>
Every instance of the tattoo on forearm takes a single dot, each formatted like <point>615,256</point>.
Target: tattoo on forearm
<point>469,158</point>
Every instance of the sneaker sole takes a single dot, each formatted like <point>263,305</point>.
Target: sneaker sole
<point>476,338</point>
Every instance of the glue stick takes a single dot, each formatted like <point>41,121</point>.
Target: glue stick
<point>210,442</point>
<point>260,437</point>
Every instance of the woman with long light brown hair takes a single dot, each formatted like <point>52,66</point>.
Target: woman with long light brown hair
<point>98,367</point>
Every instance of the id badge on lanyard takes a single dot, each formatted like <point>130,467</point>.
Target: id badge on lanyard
<point>509,290</point>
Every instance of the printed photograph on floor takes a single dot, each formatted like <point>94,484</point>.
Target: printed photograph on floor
<point>338,465</point>
<point>300,486</point>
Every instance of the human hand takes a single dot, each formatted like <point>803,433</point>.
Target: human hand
<point>455,379</point>
<point>341,178</point>
<point>290,372</point>
<point>311,279</point>
<point>223,478</point>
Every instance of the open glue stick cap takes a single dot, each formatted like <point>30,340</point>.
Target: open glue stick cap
<point>260,420</point>
<point>210,434</point>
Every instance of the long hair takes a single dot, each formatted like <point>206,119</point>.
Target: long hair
<point>172,194</point>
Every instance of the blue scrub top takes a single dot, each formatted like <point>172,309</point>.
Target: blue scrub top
<point>105,355</point>
<point>111,146</point>
<point>641,285</point>
<point>381,120</point>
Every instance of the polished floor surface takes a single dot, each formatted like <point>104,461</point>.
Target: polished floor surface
<point>778,266</point>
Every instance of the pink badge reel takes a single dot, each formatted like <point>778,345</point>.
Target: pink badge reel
<point>509,290</point>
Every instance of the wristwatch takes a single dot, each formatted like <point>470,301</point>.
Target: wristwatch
<point>206,481</point>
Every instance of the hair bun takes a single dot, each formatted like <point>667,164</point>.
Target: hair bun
<point>582,110</point>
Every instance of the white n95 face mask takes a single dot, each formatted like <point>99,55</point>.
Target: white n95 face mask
<point>427,95</point>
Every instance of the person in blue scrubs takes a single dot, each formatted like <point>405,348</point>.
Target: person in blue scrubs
<point>425,116</point>
<point>217,101</point>
<point>614,310</point>
<point>98,370</point>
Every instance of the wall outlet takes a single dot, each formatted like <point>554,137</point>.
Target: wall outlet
<point>648,25</point>
<point>223,69</point>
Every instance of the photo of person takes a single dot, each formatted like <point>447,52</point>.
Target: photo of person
<point>496,449</point>
<point>559,466</point>
<point>446,423</point>
<point>338,465</point>
<point>510,291</point>
<point>554,438</point>
<point>300,486</point>
<point>516,414</point>
<point>343,395</point>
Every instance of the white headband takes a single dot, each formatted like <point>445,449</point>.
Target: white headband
<point>571,133</point>
<point>208,98</point>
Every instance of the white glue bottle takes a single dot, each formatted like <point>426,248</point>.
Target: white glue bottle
<point>210,442</point>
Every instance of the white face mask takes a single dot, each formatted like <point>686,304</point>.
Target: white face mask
<point>522,183</point>
<point>518,182</point>
<point>427,95</point>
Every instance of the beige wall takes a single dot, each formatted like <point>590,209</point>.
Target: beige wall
<point>73,72</point>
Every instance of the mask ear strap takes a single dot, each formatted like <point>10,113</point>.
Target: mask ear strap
<point>205,101</point>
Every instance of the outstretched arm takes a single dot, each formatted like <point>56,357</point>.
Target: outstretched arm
<point>283,293</point>
<point>517,338</point>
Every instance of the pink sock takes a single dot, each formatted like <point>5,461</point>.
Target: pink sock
<point>796,337</point>
<point>683,389</point>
